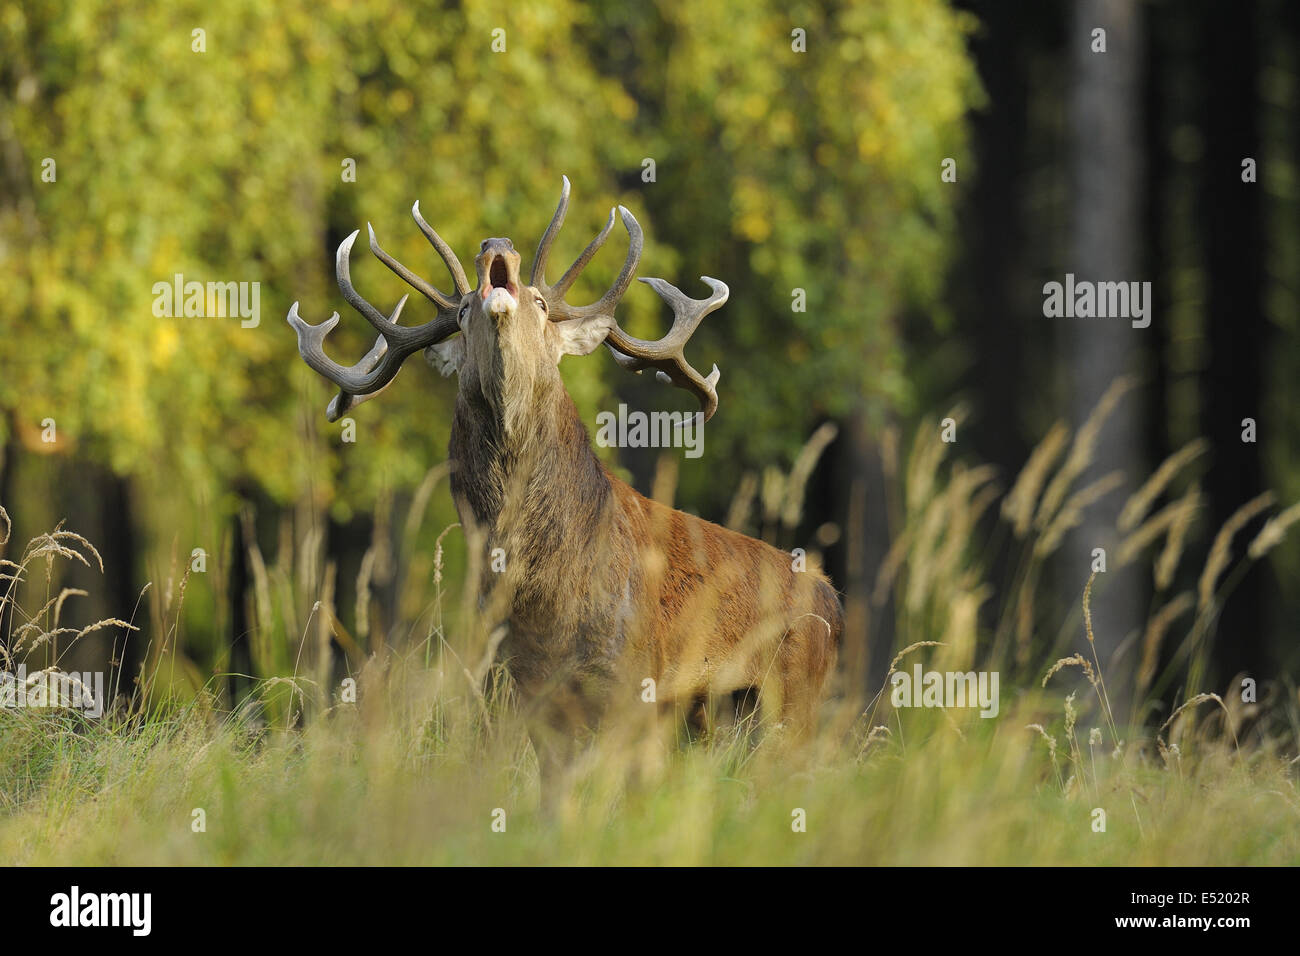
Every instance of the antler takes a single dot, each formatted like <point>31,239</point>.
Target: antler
<point>370,376</point>
<point>666,355</point>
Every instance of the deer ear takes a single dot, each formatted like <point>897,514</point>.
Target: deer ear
<point>581,336</point>
<point>446,356</point>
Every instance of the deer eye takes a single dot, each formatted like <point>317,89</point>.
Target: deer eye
<point>464,310</point>
<point>541,303</point>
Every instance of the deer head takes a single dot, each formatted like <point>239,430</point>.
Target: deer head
<point>510,334</point>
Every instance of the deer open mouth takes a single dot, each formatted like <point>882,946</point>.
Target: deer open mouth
<point>499,275</point>
<point>498,268</point>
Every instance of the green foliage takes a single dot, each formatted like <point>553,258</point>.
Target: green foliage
<point>775,170</point>
<point>781,170</point>
<point>225,165</point>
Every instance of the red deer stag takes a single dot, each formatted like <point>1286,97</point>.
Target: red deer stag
<point>601,588</point>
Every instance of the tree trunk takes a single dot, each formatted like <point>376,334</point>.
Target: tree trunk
<point>1238,334</point>
<point>1103,105</point>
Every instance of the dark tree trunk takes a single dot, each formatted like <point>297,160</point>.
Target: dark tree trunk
<point>993,267</point>
<point>7,452</point>
<point>119,548</point>
<point>1007,342</point>
<point>1105,157</point>
<point>1156,212</point>
<point>240,666</point>
<point>1238,335</point>
<point>855,467</point>
<point>347,546</point>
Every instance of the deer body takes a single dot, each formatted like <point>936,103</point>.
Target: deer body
<point>601,587</point>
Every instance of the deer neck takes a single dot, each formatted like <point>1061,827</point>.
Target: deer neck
<point>522,460</point>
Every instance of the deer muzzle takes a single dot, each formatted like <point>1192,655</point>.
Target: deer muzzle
<point>498,271</point>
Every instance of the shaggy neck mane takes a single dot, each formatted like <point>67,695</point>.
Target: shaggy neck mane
<point>557,486</point>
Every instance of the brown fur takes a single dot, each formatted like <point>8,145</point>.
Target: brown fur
<point>604,587</point>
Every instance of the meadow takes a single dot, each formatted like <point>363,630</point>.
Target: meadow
<point>419,757</point>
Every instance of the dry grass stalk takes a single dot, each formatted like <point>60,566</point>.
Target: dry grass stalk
<point>70,684</point>
<point>1156,628</point>
<point>1018,506</point>
<point>1087,611</point>
<point>889,567</point>
<point>771,494</point>
<point>663,486</point>
<point>362,609</point>
<point>1167,563</point>
<point>1085,443</point>
<point>928,452</point>
<point>1072,718</point>
<point>51,545</point>
<point>420,500</point>
<point>1136,508</point>
<point>870,714</point>
<point>797,482</point>
<point>1100,684</point>
<point>1274,530</point>
<point>55,602</point>
<point>1071,514</point>
<point>42,638</point>
<point>1160,523</point>
<point>920,564</point>
<point>1200,699</point>
<point>1042,732</point>
<point>1074,660</point>
<point>878,732</point>
<point>437,553</point>
<point>907,650</point>
<point>1221,552</point>
<point>1051,748</point>
<point>742,502</point>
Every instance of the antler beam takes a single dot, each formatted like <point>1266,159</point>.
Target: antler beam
<point>666,355</point>
<point>395,343</point>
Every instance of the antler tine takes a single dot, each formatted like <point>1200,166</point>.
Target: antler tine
<point>555,293</point>
<point>538,276</point>
<point>636,241</point>
<point>687,315</point>
<point>395,343</point>
<point>444,251</point>
<point>608,302</point>
<point>667,355</point>
<point>580,263</point>
<point>356,382</point>
<point>410,278</point>
<point>703,387</point>
<point>384,325</point>
<point>345,401</point>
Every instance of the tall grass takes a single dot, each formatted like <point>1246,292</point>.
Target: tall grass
<point>426,759</point>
